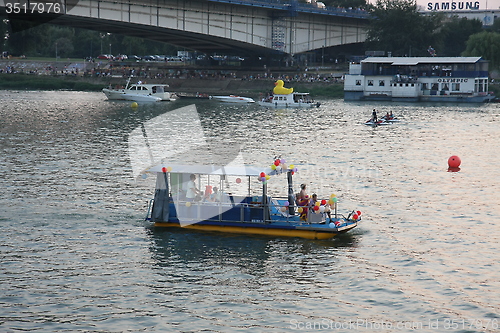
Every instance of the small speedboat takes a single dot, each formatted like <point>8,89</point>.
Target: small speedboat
<point>232,99</point>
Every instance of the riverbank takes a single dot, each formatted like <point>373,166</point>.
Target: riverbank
<point>222,86</point>
<point>35,74</point>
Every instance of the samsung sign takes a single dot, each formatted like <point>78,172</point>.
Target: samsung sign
<point>453,5</point>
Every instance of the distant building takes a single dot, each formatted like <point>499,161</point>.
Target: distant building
<point>469,9</point>
<point>425,79</point>
<point>487,17</point>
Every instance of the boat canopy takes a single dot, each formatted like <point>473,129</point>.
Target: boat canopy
<point>208,169</point>
<point>412,61</point>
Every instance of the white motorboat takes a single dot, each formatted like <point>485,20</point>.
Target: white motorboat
<point>232,99</point>
<point>141,98</point>
<point>285,98</point>
<point>139,89</point>
<point>293,100</point>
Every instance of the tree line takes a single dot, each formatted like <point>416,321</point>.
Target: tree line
<point>395,26</point>
<point>48,40</point>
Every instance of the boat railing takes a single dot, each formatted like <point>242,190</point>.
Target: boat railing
<point>149,204</point>
<point>228,210</point>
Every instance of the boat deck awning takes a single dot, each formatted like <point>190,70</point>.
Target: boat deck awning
<point>208,169</point>
<point>413,61</point>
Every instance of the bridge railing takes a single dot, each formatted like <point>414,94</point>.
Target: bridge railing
<point>300,7</point>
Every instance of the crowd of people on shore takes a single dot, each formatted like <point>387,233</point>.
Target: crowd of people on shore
<point>105,70</point>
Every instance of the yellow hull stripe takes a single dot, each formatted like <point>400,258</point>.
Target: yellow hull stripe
<point>309,234</point>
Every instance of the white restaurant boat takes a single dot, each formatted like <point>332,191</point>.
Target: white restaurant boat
<point>232,99</point>
<point>136,92</point>
<point>418,79</point>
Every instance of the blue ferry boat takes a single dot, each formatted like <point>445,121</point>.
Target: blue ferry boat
<point>419,79</point>
<point>252,213</point>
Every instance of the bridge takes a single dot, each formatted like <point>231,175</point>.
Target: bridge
<point>209,26</point>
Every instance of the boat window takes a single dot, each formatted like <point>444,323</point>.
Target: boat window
<point>370,82</point>
<point>381,83</point>
<point>133,88</point>
<point>358,82</point>
<point>424,86</point>
<point>455,86</point>
<point>144,88</point>
<point>434,86</point>
<point>445,86</point>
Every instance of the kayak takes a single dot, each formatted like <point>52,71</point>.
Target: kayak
<point>376,123</point>
<point>390,119</point>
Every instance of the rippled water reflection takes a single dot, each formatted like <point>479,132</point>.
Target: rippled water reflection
<point>76,255</point>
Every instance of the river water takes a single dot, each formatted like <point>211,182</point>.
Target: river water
<point>77,255</point>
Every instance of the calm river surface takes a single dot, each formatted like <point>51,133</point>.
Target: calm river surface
<point>76,254</point>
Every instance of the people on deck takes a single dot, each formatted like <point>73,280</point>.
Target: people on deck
<point>374,116</point>
<point>216,195</point>
<point>192,191</point>
<point>314,199</point>
<point>303,201</point>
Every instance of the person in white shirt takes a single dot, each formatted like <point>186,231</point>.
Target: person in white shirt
<point>192,191</point>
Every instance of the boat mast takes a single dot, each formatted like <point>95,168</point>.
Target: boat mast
<point>166,208</point>
<point>265,214</point>
<point>291,198</point>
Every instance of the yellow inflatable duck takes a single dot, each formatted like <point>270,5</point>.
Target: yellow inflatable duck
<point>279,88</point>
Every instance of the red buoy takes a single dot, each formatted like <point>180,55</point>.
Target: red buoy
<point>454,161</point>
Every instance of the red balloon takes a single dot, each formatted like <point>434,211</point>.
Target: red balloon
<point>454,161</point>
<point>163,169</point>
<point>316,207</point>
<point>355,217</point>
<point>277,162</point>
<point>262,174</point>
<point>238,180</point>
<point>358,212</point>
<point>323,202</point>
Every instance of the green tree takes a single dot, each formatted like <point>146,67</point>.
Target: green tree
<point>396,26</point>
<point>455,33</point>
<point>63,47</point>
<point>485,44</point>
